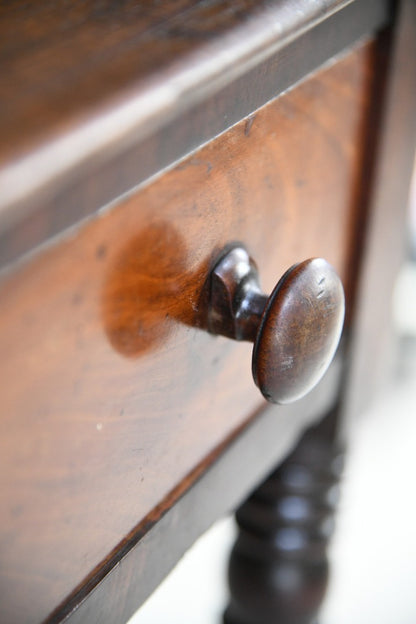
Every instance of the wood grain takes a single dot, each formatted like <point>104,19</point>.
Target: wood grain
<point>156,545</point>
<point>110,394</point>
<point>299,332</point>
<point>384,238</point>
<point>96,97</point>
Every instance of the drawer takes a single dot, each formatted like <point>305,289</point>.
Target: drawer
<point>111,393</point>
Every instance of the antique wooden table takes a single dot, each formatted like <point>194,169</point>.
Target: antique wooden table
<point>141,141</point>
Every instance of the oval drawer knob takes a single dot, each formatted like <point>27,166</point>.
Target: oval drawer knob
<point>296,330</point>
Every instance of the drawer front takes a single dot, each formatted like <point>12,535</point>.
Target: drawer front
<point>111,395</point>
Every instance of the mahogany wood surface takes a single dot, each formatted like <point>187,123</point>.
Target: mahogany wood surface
<point>96,97</point>
<point>98,49</point>
<point>216,487</point>
<point>299,332</point>
<point>381,244</point>
<point>111,395</point>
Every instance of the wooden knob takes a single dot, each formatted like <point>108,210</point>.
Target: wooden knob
<point>295,331</point>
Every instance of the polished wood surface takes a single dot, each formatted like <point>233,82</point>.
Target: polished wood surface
<point>133,44</point>
<point>89,444</point>
<point>216,487</point>
<point>299,332</point>
<point>383,238</point>
<point>96,97</point>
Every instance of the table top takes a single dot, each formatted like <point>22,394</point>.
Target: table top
<point>86,91</point>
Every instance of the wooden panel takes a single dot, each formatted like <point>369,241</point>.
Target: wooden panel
<point>384,244</point>
<point>226,478</point>
<point>110,394</point>
<point>97,97</point>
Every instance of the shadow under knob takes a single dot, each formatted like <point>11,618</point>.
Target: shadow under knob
<point>295,331</point>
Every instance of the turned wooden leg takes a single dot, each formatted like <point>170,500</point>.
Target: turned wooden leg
<point>278,568</point>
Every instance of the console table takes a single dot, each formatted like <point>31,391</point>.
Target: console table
<point>162,166</point>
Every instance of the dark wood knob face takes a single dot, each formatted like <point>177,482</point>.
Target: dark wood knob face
<point>295,331</point>
<point>299,331</point>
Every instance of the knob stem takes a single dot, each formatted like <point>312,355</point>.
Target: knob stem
<point>236,302</point>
